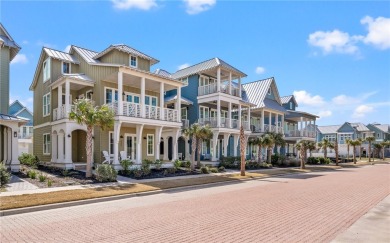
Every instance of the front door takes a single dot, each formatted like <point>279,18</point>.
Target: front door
<point>130,145</point>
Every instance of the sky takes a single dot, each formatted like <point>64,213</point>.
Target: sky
<point>333,56</point>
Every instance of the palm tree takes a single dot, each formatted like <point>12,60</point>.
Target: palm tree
<point>278,140</point>
<point>191,132</point>
<point>302,147</point>
<point>325,144</point>
<point>384,144</point>
<point>243,144</point>
<point>268,142</point>
<point>354,143</point>
<point>259,141</point>
<point>311,146</point>
<point>378,147</point>
<point>336,150</point>
<point>85,113</point>
<point>347,142</point>
<point>204,134</point>
<point>360,148</point>
<point>370,140</point>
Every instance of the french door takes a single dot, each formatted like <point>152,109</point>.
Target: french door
<point>130,145</point>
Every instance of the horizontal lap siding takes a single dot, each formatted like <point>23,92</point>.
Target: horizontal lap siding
<point>38,143</point>
<point>4,79</point>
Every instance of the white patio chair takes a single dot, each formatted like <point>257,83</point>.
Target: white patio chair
<point>123,155</point>
<point>180,156</point>
<point>107,158</point>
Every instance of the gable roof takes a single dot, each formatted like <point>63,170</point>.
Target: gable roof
<point>360,127</point>
<point>287,99</point>
<point>257,91</point>
<point>163,72</point>
<point>206,65</point>
<point>19,109</point>
<point>126,49</point>
<point>383,127</point>
<point>7,40</point>
<point>328,129</point>
<point>15,107</point>
<point>60,55</point>
<point>86,54</point>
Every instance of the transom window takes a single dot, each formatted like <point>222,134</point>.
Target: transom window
<point>46,70</point>
<point>46,143</point>
<point>133,61</point>
<point>150,143</point>
<point>46,104</point>
<point>111,95</point>
<point>65,67</point>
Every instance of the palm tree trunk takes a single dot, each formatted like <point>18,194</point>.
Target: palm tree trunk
<point>243,144</point>
<point>360,152</point>
<point>269,155</point>
<point>259,154</point>
<point>369,151</point>
<point>354,155</point>
<point>88,146</point>
<point>325,152</point>
<point>198,145</point>
<point>348,152</point>
<point>193,148</point>
<point>302,152</point>
<point>383,153</point>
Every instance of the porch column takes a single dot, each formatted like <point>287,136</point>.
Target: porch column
<point>262,120</point>
<point>249,118</point>
<point>142,101</point>
<point>5,142</point>
<point>187,148</point>
<point>139,128</point>
<point>235,144</point>
<point>230,115</point>
<point>162,116</point>
<point>54,147</point>
<point>15,164</point>
<point>9,147</point>
<point>59,100</point>
<point>239,86</point>
<point>239,116</point>
<point>68,147</point>
<point>215,140</point>
<point>117,129</point>
<point>282,124</point>
<point>120,92</point>
<point>67,96</point>
<point>175,137</point>
<point>218,112</point>
<point>219,79</point>
<point>226,137</point>
<point>178,104</point>
<point>305,126</point>
<point>301,124</point>
<point>269,121</point>
<point>277,122</point>
<point>157,138</point>
<point>230,83</point>
<point>166,141</point>
<point>60,144</point>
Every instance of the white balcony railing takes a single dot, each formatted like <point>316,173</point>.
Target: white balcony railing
<point>299,133</point>
<point>131,109</point>
<point>185,123</point>
<point>171,115</point>
<point>207,89</point>
<point>60,112</point>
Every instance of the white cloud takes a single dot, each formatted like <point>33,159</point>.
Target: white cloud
<point>198,6</point>
<point>305,98</point>
<point>44,44</point>
<point>325,113</point>
<point>260,70</point>
<point>334,41</point>
<point>344,100</point>
<point>25,42</point>
<point>362,110</point>
<point>182,66</point>
<point>20,58</point>
<point>378,32</point>
<point>67,49</point>
<point>138,4</point>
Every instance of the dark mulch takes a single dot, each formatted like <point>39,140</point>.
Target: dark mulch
<point>57,176</point>
<point>160,174</point>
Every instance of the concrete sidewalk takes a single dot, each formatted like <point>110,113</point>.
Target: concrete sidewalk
<point>374,226</point>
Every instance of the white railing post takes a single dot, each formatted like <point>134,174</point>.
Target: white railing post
<point>67,96</point>
<point>120,92</point>
<point>161,101</point>
<point>59,99</point>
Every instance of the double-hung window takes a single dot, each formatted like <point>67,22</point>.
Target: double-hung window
<point>151,100</point>
<point>133,61</point>
<point>132,98</point>
<point>46,143</point>
<point>46,70</point>
<point>111,95</point>
<point>65,67</point>
<point>46,104</point>
<point>184,113</point>
<point>150,143</point>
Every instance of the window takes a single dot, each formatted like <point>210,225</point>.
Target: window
<point>46,104</point>
<point>330,137</point>
<point>224,114</point>
<point>184,80</point>
<point>204,147</point>
<point>290,105</point>
<point>133,61</point>
<point>46,70</point>
<point>203,112</point>
<point>150,144</point>
<point>111,95</point>
<point>111,142</point>
<point>132,98</point>
<point>203,81</point>
<point>89,94</point>
<point>65,67</point>
<point>46,143</point>
<point>184,113</point>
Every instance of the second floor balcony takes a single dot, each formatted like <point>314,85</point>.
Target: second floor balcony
<point>300,133</point>
<point>213,88</point>
<point>224,123</point>
<point>61,113</point>
<point>256,128</point>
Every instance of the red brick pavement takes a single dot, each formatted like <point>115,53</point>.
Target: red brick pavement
<point>315,209</point>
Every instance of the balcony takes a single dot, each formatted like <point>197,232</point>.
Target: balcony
<point>224,123</point>
<point>212,88</point>
<point>151,112</point>
<point>297,133</point>
<point>267,128</point>
<point>60,113</point>
<point>25,136</point>
<point>185,123</point>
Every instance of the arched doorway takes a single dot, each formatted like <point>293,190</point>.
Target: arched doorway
<point>170,148</point>
<point>181,148</point>
<point>79,141</point>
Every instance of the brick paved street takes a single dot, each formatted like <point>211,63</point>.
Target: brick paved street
<point>313,207</point>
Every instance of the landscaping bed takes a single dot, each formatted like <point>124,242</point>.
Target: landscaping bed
<point>155,173</point>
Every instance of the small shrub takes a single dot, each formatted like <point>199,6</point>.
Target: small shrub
<point>42,177</point>
<point>221,169</point>
<point>146,170</point>
<point>171,170</point>
<point>327,161</point>
<point>126,164</point>
<point>65,173</point>
<point>49,183</point>
<point>204,170</point>
<point>177,164</point>
<point>138,173</point>
<point>28,159</point>
<point>105,173</point>
<point>157,164</point>
<point>186,164</point>
<point>213,170</point>
<point>146,162</point>
<point>5,176</point>
<point>274,159</point>
<point>32,174</point>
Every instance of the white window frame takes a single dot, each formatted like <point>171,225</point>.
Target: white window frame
<point>204,112</point>
<point>46,144</point>
<point>150,100</point>
<point>136,61</point>
<point>204,147</point>
<point>46,109</point>
<point>46,73</point>
<point>184,114</point>
<point>88,92</point>
<point>290,105</point>
<point>148,138</point>
<point>204,81</point>
<point>62,67</point>
<point>112,94</point>
<point>110,135</point>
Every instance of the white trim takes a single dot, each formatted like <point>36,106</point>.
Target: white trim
<point>48,60</point>
<point>112,94</point>
<point>49,148</point>
<point>42,125</point>
<point>147,145</point>
<point>136,61</point>
<point>47,104</point>
<point>62,67</point>
<point>88,91</point>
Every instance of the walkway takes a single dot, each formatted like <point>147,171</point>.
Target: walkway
<point>312,207</point>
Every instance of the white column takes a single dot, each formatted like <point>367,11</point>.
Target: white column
<point>117,129</point>
<point>249,118</point>
<point>187,149</point>
<point>5,142</point>
<point>60,143</point>
<point>219,79</point>
<point>269,121</point>
<point>178,104</point>
<point>59,100</point>
<point>68,146</point>
<point>301,123</point>
<point>305,126</point>
<point>235,144</point>
<point>283,124</point>
<point>67,96</point>
<point>142,101</point>
<point>277,122</point>
<point>139,129</point>
<point>230,83</point>
<point>166,141</point>
<point>120,92</point>
<point>162,101</point>
<point>239,116</point>
<point>225,143</point>
<point>157,140</point>
<point>239,86</point>
<point>175,137</point>
<point>230,114</point>
<point>262,120</point>
<point>215,140</point>
<point>218,112</point>
<point>54,147</point>
<point>9,147</point>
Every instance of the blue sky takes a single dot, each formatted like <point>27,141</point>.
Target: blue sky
<point>334,56</point>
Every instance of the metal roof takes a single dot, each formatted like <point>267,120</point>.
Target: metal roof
<point>86,54</point>
<point>74,76</point>
<point>7,40</point>
<point>383,127</point>
<point>6,117</point>
<point>360,127</point>
<point>126,49</point>
<point>163,72</point>
<point>257,91</point>
<point>328,129</point>
<point>174,98</point>
<point>286,99</point>
<point>274,105</point>
<point>206,65</point>
<point>59,55</point>
<point>292,114</point>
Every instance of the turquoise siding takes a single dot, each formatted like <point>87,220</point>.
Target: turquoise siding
<point>15,107</point>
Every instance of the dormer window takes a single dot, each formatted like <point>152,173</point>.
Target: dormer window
<point>290,105</point>
<point>133,61</point>
<point>46,70</point>
<point>65,67</point>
